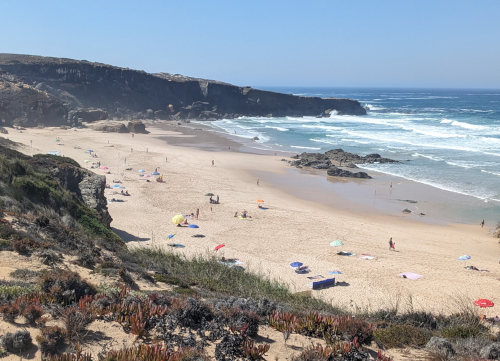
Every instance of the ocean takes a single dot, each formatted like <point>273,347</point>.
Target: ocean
<point>448,139</point>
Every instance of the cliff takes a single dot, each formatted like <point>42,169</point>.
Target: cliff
<point>60,91</point>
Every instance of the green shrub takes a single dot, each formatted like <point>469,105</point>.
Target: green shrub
<point>460,332</point>
<point>16,342</point>
<point>398,336</point>
<point>24,274</point>
<point>51,340</point>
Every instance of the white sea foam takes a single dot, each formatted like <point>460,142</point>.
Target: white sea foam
<point>323,127</point>
<point>489,172</point>
<point>302,147</point>
<point>281,129</point>
<point>463,125</point>
<point>373,107</point>
<point>427,156</point>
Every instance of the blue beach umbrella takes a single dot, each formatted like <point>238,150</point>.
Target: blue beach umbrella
<point>193,226</point>
<point>141,171</point>
<point>465,257</point>
<point>296,264</point>
<point>155,173</point>
<point>116,186</point>
<point>170,236</point>
<point>89,150</point>
<point>335,272</point>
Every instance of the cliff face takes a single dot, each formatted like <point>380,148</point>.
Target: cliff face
<point>78,86</point>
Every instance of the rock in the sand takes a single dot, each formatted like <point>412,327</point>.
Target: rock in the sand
<point>491,352</point>
<point>137,126</point>
<point>110,127</point>
<point>337,172</point>
<point>441,346</point>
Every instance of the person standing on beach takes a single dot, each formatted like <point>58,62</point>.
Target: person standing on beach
<point>213,163</point>
<point>257,181</point>
<point>197,212</point>
<point>391,244</point>
<point>482,223</point>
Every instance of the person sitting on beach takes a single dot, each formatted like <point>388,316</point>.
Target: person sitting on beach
<point>260,206</point>
<point>244,214</point>
<point>391,245</point>
<point>236,214</point>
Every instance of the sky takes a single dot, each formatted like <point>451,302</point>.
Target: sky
<point>329,43</point>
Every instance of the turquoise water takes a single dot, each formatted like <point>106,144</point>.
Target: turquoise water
<point>449,139</point>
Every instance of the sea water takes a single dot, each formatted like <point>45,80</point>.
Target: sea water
<point>449,139</point>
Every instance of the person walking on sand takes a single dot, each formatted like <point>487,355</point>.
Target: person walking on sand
<point>482,223</point>
<point>257,181</point>
<point>197,212</point>
<point>391,245</point>
<point>213,163</point>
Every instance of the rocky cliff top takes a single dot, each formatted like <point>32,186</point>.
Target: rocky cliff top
<point>64,91</point>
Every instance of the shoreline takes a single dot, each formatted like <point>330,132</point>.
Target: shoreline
<point>292,229</point>
<point>374,195</point>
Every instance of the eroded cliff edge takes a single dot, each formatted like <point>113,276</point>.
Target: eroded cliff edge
<point>58,91</point>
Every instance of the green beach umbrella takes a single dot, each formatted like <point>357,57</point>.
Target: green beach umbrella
<point>336,243</point>
<point>209,195</point>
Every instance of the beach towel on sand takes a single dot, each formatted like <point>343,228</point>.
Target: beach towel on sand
<point>410,275</point>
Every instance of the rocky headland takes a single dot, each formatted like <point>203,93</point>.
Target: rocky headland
<point>333,159</point>
<point>48,91</point>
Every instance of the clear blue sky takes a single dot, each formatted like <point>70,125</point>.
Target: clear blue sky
<point>402,43</point>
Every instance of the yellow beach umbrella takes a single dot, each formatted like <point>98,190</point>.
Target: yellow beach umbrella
<point>178,219</point>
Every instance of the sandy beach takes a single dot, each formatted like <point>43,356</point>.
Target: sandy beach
<point>296,226</point>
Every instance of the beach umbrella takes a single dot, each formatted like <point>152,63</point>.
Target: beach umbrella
<point>176,245</point>
<point>155,173</point>
<point>146,176</point>
<point>86,161</point>
<point>336,243</point>
<point>170,236</point>
<point>89,150</point>
<point>104,167</point>
<point>178,219</point>
<point>296,264</point>
<point>260,201</point>
<point>209,195</point>
<point>335,272</point>
<point>193,226</point>
<point>141,170</point>
<point>465,257</point>
<point>117,186</point>
<point>483,302</point>
<point>218,247</point>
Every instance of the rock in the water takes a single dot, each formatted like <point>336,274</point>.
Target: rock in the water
<point>337,172</point>
<point>339,155</point>
<point>491,352</point>
<point>441,346</point>
<point>3,130</point>
<point>255,138</point>
<point>137,127</point>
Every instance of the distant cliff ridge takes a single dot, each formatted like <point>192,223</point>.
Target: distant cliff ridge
<point>49,91</point>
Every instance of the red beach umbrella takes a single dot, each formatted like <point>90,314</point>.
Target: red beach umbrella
<point>483,302</point>
<point>219,247</point>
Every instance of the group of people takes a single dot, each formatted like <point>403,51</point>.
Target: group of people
<point>214,201</point>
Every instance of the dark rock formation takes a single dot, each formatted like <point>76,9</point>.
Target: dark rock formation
<point>87,115</point>
<point>441,346</point>
<point>491,352</point>
<point>351,159</point>
<point>53,87</point>
<point>337,172</point>
<point>137,127</point>
<point>111,127</point>
<point>89,187</point>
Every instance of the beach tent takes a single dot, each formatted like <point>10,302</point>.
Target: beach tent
<point>483,302</point>
<point>336,243</point>
<point>178,219</point>
<point>193,226</point>
<point>317,285</point>
<point>219,247</point>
